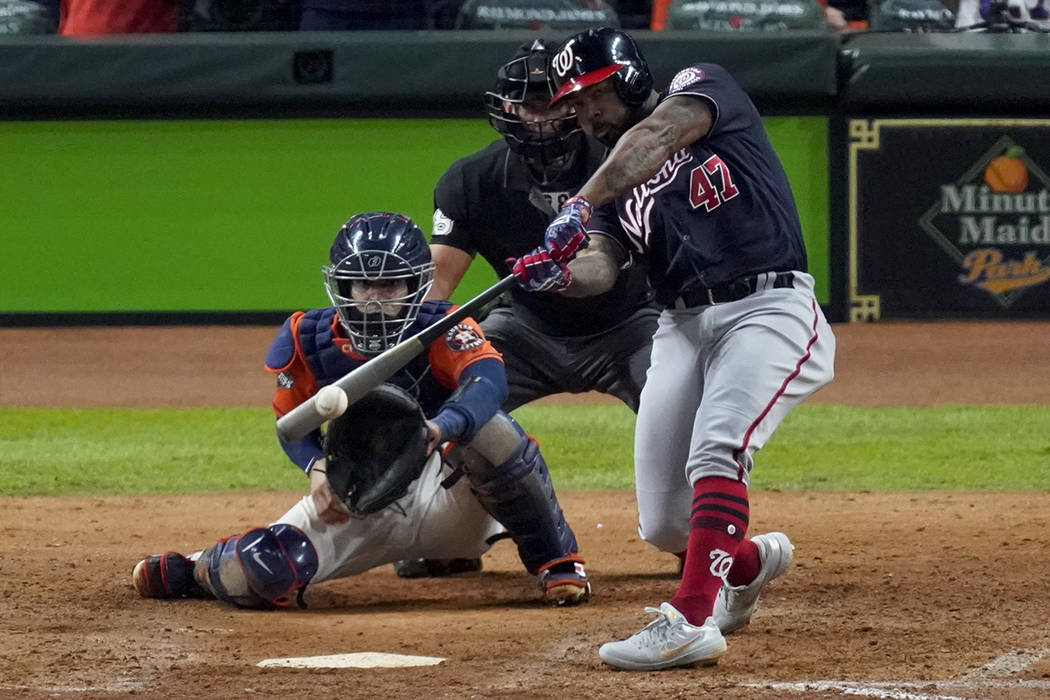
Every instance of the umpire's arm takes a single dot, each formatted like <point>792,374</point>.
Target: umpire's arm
<point>451,264</point>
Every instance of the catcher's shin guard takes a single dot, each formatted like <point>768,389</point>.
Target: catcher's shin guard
<point>511,481</point>
<point>264,567</point>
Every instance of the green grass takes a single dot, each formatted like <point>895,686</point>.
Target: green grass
<point>987,448</point>
<point>100,451</point>
<point>819,447</point>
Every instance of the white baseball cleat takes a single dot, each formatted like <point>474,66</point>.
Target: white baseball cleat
<point>666,642</point>
<point>735,604</point>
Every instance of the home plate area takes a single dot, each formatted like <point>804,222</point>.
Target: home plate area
<point>998,678</point>
<point>363,659</point>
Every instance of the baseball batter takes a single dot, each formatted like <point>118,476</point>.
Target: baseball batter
<point>379,274</point>
<point>694,189</point>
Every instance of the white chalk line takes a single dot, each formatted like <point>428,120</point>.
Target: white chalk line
<point>903,690</point>
<point>994,675</point>
<point>854,688</point>
<point>1009,664</point>
<point>117,685</point>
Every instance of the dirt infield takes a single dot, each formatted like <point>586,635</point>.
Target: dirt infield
<point>891,595</point>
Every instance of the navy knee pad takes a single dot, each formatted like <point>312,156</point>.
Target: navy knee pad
<point>264,567</point>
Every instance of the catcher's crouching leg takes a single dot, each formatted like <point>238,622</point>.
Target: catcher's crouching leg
<point>510,478</point>
<point>263,568</point>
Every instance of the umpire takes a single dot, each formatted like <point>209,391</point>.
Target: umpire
<point>497,202</point>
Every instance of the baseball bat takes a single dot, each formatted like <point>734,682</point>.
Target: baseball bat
<point>304,418</point>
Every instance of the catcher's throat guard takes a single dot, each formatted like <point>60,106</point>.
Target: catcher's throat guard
<point>376,449</point>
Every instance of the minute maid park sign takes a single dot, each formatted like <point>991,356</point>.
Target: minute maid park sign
<point>995,222</point>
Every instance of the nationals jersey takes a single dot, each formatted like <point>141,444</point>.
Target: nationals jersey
<point>486,204</point>
<point>719,209</point>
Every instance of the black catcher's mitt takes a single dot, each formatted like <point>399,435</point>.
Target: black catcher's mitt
<point>376,449</point>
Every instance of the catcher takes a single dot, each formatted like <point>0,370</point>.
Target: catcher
<point>380,490</point>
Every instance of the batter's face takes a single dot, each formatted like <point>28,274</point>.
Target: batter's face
<point>600,111</point>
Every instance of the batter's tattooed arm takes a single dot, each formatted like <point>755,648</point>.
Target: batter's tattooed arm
<point>645,147</point>
<point>595,268</point>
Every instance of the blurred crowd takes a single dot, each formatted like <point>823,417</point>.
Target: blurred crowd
<point>88,17</point>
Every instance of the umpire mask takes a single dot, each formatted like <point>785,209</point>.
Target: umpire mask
<point>547,138</point>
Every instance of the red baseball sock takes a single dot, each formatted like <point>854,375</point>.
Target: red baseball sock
<point>745,564</point>
<point>716,527</point>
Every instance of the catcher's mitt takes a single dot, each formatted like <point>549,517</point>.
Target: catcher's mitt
<point>376,449</point>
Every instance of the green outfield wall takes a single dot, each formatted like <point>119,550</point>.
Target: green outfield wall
<point>198,177</point>
<point>236,215</point>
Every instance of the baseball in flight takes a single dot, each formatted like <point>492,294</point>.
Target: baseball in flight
<point>330,402</point>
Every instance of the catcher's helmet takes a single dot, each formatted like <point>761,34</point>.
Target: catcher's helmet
<point>380,272</point>
<point>519,109</point>
<point>593,55</point>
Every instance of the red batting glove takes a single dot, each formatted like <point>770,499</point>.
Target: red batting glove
<point>537,271</point>
<point>568,233</point>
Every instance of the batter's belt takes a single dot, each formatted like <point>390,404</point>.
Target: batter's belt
<point>732,291</point>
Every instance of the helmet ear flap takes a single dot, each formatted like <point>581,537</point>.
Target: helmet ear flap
<point>634,83</point>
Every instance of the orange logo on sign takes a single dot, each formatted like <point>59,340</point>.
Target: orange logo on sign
<point>1007,173</point>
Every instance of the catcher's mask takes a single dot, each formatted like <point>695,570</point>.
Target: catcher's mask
<point>547,138</point>
<point>380,272</point>
<point>376,449</point>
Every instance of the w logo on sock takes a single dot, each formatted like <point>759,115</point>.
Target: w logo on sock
<point>721,562</point>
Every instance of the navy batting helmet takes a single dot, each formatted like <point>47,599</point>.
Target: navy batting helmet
<point>591,56</point>
<point>519,108</point>
<point>380,272</point>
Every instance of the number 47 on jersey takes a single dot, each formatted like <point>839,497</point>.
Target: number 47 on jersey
<point>703,192</point>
